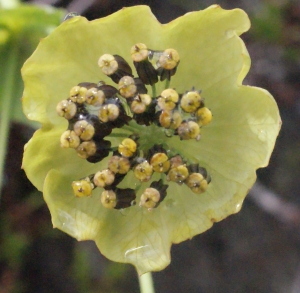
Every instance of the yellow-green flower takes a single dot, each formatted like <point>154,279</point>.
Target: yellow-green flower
<point>229,149</point>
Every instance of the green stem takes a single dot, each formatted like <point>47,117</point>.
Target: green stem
<point>153,91</point>
<point>146,283</point>
<point>167,85</point>
<point>7,101</point>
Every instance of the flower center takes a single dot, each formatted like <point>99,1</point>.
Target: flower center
<point>96,111</point>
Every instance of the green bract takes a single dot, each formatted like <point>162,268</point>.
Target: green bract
<point>239,139</point>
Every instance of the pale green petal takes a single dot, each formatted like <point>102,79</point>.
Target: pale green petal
<point>239,140</point>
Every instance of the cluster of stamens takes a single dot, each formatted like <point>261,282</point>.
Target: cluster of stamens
<point>94,110</point>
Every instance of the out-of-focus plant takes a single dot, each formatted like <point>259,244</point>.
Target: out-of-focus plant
<point>21,28</point>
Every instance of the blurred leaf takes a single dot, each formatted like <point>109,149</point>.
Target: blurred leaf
<point>21,29</point>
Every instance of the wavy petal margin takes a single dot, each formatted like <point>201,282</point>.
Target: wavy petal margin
<point>239,140</point>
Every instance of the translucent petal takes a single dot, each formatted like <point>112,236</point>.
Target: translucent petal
<point>239,139</point>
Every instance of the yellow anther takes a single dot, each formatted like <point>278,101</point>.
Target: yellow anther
<point>178,174</point>
<point>86,149</point>
<point>197,183</point>
<point>108,64</point>
<point>143,171</point>
<point>149,198</point>
<point>109,112</point>
<point>168,99</point>
<point>95,97</point>
<point>169,119</point>
<point>104,178</point>
<point>84,129</point>
<point>127,87</point>
<point>140,103</point>
<point>189,130</point>
<point>69,139</point>
<point>127,148</point>
<point>82,188</point>
<point>66,109</point>
<point>109,199</point>
<point>77,94</point>
<point>169,59</point>
<point>191,101</point>
<point>204,116</point>
<point>119,165</point>
<point>139,52</point>
<point>160,162</point>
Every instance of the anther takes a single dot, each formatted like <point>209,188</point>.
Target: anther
<point>140,103</point>
<point>109,199</point>
<point>204,116</point>
<point>119,165</point>
<point>178,174</point>
<point>86,149</point>
<point>145,70</point>
<point>82,188</point>
<point>84,129</point>
<point>77,94</point>
<point>127,87</point>
<point>149,198</point>
<point>139,52</point>
<point>197,183</point>
<point>114,66</point>
<point>160,162</point>
<point>167,64</point>
<point>189,130</point>
<point>127,148</point>
<point>143,171</point>
<point>109,112</point>
<point>170,119</point>
<point>69,139</point>
<point>191,101</point>
<point>168,99</point>
<point>66,109</point>
<point>104,178</point>
<point>95,97</point>
<point>153,195</point>
<point>169,59</point>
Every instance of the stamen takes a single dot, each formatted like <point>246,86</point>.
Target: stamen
<point>119,165</point>
<point>86,149</point>
<point>188,130</point>
<point>204,116</point>
<point>109,199</point>
<point>95,97</point>
<point>108,64</point>
<point>127,148</point>
<point>127,87</point>
<point>66,109</point>
<point>82,188</point>
<point>139,52</point>
<point>160,162</point>
<point>169,59</point>
<point>84,130</point>
<point>104,178</point>
<point>143,171</point>
<point>69,139</point>
<point>191,101</point>
<point>168,99</point>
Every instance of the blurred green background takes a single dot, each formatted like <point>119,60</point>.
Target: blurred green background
<point>256,250</point>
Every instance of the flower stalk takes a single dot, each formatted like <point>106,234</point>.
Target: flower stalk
<point>146,283</point>
<point>12,70</point>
